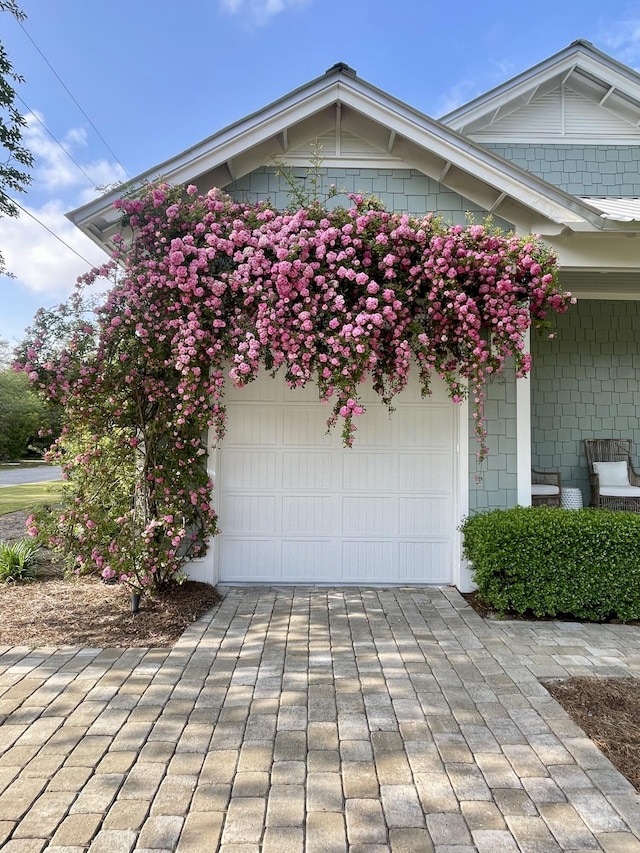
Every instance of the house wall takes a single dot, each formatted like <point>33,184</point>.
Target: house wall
<point>400,190</point>
<point>493,485</point>
<point>589,170</point>
<point>585,383</point>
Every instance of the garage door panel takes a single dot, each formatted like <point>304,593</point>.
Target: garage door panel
<point>374,472</point>
<point>247,560</point>
<point>310,470</point>
<point>306,427</point>
<point>374,428</point>
<point>426,424</point>
<point>306,560</point>
<point>300,514</point>
<point>425,472</point>
<point>439,392</point>
<point>367,515</point>
<point>424,562</point>
<point>295,506</point>
<point>249,470</point>
<point>252,425</point>
<point>306,394</point>
<point>257,513</point>
<point>257,391</point>
<point>417,515</point>
<point>367,561</point>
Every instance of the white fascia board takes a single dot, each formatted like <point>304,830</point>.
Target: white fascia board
<point>504,102</point>
<point>486,138</point>
<point>365,161</point>
<point>611,252</point>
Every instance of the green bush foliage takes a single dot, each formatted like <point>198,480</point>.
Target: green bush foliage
<point>549,562</point>
<point>22,415</point>
<point>18,560</point>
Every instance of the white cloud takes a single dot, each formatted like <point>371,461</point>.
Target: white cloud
<point>41,263</point>
<point>259,11</point>
<point>457,95</point>
<point>622,39</point>
<point>466,90</point>
<point>54,170</point>
<point>503,69</point>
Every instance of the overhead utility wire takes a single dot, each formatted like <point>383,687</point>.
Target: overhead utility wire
<point>53,234</point>
<point>67,90</point>
<point>57,141</point>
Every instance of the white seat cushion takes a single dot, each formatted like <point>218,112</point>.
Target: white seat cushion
<point>612,473</point>
<point>540,490</point>
<point>620,491</point>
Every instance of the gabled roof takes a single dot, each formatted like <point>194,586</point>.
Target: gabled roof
<point>578,92</point>
<point>346,107</point>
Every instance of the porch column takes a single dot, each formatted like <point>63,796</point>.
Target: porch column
<point>523,433</point>
<point>462,576</point>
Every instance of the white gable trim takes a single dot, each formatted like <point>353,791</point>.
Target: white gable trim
<point>580,68</point>
<point>396,129</point>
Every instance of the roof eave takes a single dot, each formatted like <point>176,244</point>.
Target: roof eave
<point>98,219</point>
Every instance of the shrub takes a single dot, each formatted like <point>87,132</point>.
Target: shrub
<point>548,562</point>
<point>18,560</point>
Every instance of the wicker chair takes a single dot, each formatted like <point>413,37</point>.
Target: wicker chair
<point>614,483</point>
<point>546,488</point>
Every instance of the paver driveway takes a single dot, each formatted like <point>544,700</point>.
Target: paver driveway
<point>318,720</point>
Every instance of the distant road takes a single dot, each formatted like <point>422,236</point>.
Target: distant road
<point>18,475</point>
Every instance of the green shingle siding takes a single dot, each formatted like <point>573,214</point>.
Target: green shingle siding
<point>402,190</point>
<point>585,384</point>
<point>598,170</point>
<point>497,483</point>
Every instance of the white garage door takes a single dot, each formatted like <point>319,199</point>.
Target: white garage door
<point>295,506</point>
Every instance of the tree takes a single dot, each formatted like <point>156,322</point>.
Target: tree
<point>13,179</point>
<point>23,415</point>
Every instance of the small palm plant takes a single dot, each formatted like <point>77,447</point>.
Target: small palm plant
<point>18,560</point>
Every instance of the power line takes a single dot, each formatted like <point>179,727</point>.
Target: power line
<point>53,234</point>
<point>57,141</point>
<point>68,91</point>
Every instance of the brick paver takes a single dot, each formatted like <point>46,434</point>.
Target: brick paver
<point>315,720</point>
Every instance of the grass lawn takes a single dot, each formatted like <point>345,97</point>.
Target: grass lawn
<point>13,498</point>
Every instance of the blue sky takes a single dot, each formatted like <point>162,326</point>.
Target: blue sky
<point>155,77</point>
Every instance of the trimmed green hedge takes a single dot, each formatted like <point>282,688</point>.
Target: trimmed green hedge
<point>542,561</point>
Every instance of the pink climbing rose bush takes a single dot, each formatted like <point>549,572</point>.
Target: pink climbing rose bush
<point>207,290</point>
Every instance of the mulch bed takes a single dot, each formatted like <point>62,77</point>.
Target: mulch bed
<point>58,611</point>
<point>608,710</point>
